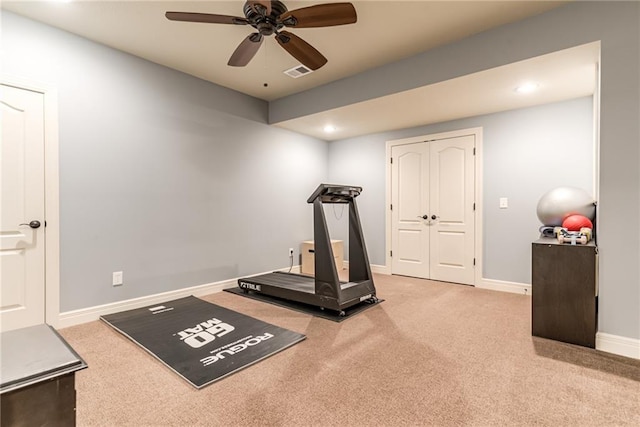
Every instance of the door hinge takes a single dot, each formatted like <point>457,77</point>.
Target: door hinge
<point>391,158</point>
<point>474,151</point>
<point>474,261</point>
<point>474,206</point>
<point>391,253</point>
<point>391,206</point>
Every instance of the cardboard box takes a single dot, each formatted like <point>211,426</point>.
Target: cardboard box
<point>308,256</point>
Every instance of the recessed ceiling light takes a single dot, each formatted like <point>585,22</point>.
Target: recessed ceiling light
<point>527,87</point>
<point>329,128</point>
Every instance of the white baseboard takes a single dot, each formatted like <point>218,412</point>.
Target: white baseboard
<point>380,269</point>
<point>501,285</point>
<point>622,346</point>
<point>90,314</point>
<point>496,285</point>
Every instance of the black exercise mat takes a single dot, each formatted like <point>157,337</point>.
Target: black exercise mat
<point>306,308</point>
<point>200,341</point>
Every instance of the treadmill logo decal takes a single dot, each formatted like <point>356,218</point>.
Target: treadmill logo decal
<point>205,332</point>
<point>250,286</point>
<point>234,348</point>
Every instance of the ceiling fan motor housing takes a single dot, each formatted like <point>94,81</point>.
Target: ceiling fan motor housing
<point>265,24</point>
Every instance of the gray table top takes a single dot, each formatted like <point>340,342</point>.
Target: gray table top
<point>33,354</point>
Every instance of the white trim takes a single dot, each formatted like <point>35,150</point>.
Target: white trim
<point>504,286</point>
<point>380,269</point>
<point>494,285</point>
<point>596,148</point>
<point>596,134</point>
<point>622,346</point>
<point>387,206</point>
<point>477,133</point>
<point>52,192</point>
<point>84,315</point>
<point>90,314</point>
<point>479,207</point>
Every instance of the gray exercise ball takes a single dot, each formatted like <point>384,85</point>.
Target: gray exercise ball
<point>560,202</point>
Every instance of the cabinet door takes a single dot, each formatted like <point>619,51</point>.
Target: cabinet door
<point>563,293</point>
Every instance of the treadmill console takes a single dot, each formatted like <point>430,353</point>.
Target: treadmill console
<point>330,193</point>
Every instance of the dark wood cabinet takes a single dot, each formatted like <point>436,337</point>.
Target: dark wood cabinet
<point>37,378</point>
<point>564,291</point>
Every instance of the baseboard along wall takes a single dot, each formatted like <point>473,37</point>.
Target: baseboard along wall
<point>90,314</point>
<point>622,346</point>
<point>504,286</point>
<point>615,344</point>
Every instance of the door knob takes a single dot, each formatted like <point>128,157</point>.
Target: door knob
<point>434,217</point>
<point>33,224</point>
<point>423,216</point>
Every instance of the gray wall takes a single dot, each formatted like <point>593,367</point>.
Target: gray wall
<point>617,26</point>
<point>525,154</point>
<point>173,180</point>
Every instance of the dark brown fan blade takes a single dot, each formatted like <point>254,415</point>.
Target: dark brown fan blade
<point>208,18</point>
<point>265,4</point>
<point>320,15</point>
<point>301,50</point>
<point>246,50</point>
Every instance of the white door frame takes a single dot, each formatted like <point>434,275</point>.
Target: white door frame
<point>51,189</point>
<point>477,132</point>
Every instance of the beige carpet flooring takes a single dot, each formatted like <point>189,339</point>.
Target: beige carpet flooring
<point>431,354</point>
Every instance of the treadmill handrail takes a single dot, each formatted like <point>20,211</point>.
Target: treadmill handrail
<point>333,193</point>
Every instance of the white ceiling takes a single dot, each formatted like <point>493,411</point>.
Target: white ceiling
<point>386,31</point>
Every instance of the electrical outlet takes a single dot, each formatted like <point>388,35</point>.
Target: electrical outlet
<point>117,278</point>
<point>290,252</point>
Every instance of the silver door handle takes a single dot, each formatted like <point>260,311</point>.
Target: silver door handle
<point>33,224</point>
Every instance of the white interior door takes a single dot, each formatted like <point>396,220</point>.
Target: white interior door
<point>452,192</point>
<point>432,216</point>
<point>22,250</point>
<point>410,202</point>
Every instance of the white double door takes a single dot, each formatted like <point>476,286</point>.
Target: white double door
<point>22,208</point>
<point>433,209</point>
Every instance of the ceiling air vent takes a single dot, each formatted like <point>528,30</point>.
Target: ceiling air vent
<point>298,71</point>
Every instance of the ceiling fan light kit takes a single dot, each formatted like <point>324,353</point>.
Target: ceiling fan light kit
<point>269,18</point>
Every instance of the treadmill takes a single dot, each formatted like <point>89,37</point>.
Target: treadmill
<point>325,289</point>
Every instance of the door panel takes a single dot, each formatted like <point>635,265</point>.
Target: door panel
<point>410,247</point>
<point>410,183</point>
<point>447,180</point>
<point>452,236</point>
<point>21,201</point>
<point>449,247</point>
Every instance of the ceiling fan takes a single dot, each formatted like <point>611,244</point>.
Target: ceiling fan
<point>269,17</point>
